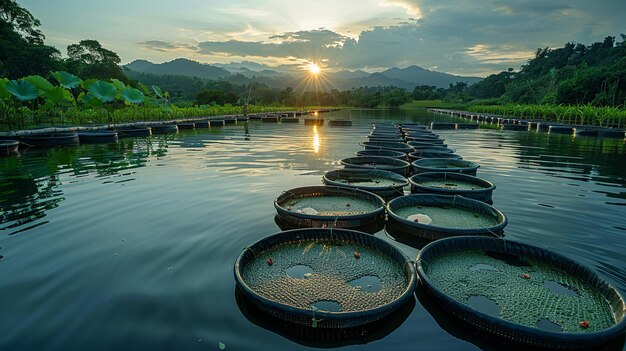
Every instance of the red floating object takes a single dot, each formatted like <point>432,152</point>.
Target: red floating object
<point>270,261</point>
<point>584,324</point>
<point>525,275</point>
<point>416,220</point>
<point>357,254</point>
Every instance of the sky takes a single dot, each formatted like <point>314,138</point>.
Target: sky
<point>464,37</point>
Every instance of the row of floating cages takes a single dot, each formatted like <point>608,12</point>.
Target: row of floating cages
<point>324,285</point>
<point>522,124</point>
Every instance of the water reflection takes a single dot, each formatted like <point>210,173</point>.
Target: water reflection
<point>316,140</point>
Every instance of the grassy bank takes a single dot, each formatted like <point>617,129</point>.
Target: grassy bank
<point>583,114</point>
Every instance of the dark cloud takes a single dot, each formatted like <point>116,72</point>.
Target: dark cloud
<point>165,46</point>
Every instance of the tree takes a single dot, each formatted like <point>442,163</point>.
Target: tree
<point>92,61</point>
<point>22,52</point>
<point>21,21</point>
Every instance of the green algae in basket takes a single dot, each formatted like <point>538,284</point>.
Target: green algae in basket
<point>447,217</point>
<point>526,291</point>
<point>451,184</point>
<point>334,277</point>
<point>331,205</point>
<point>369,181</point>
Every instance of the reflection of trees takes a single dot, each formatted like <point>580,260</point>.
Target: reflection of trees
<point>27,191</point>
<point>591,157</point>
<point>29,185</point>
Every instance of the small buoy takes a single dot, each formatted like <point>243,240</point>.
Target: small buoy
<point>347,205</point>
<point>416,220</point>
<point>357,254</point>
<point>584,324</point>
<point>288,208</point>
<point>270,261</point>
<point>525,276</point>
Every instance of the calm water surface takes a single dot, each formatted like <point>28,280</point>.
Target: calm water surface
<point>130,246</point>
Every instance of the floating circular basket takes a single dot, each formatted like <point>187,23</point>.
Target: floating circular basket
<point>425,144</point>
<point>426,140</point>
<point>445,165</point>
<point>51,139</point>
<point>329,206</point>
<point>433,217</point>
<point>452,184</point>
<point>164,128</point>
<point>429,153</point>
<point>325,278</point>
<point>384,153</point>
<point>382,183</point>
<point>134,131</point>
<point>384,138</point>
<point>97,136</point>
<point>378,162</point>
<point>375,145</point>
<point>521,292</point>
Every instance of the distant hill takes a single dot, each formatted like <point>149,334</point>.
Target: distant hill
<point>277,77</point>
<point>181,66</point>
<point>428,77</point>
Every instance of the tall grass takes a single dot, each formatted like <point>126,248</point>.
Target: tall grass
<point>582,114</point>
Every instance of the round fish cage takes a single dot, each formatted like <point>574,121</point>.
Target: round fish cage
<point>377,134</point>
<point>433,148</point>
<point>384,153</point>
<point>10,147</point>
<point>384,138</point>
<point>452,184</point>
<point>378,162</point>
<point>426,144</point>
<point>329,206</point>
<point>433,217</point>
<point>445,165</point>
<point>382,183</point>
<point>340,122</point>
<point>375,145</point>
<point>611,133</point>
<point>429,153</point>
<point>325,278</point>
<point>51,139</point>
<point>134,131</point>
<point>97,136</point>
<point>204,123</point>
<point>442,125</point>
<point>164,128</point>
<point>186,125</point>
<point>522,293</point>
<point>435,140</point>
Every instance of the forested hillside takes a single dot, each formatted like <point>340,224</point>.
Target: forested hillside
<point>574,74</point>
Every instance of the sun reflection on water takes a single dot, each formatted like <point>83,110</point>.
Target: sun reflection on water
<point>316,140</point>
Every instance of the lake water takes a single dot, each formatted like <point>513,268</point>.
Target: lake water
<point>131,246</point>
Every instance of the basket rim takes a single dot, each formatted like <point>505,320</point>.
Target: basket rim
<point>432,175</point>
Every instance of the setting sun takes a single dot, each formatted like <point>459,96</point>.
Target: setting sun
<point>314,69</point>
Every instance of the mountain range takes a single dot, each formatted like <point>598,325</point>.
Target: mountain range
<point>289,75</point>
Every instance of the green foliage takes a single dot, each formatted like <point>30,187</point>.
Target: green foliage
<point>22,89</point>
<point>574,74</point>
<point>67,80</point>
<point>102,91</point>
<point>132,96</point>
<point>42,84</point>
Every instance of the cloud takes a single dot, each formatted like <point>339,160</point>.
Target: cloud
<point>411,7</point>
<point>165,46</point>
<point>456,36</point>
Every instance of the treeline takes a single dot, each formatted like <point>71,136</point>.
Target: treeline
<point>575,74</point>
<point>23,52</point>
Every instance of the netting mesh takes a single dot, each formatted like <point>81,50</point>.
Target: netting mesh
<point>330,205</point>
<point>452,184</point>
<point>368,181</point>
<point>448,217</point>
<point>327,275</point>
<point>526,291</point>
